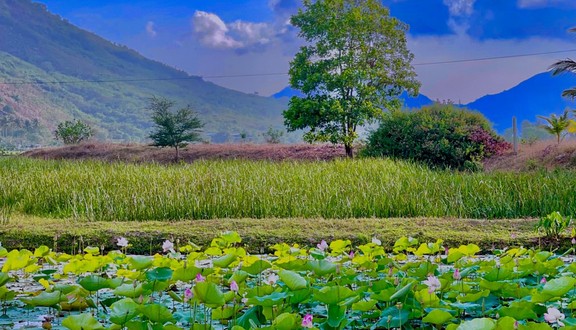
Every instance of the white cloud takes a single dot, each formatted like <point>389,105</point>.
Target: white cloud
<point>252,33</point>
<point>212,31</point>
<point>151,29</point>
<point>460,7</point>
<point>545,3</point>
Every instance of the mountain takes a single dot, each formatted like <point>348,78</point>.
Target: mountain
<point>538,95</point>
<point>408,101</point>
<point>51,71</point>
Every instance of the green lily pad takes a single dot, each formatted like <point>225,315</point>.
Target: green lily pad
<point>209,293</point>
<point>156,313</point>
<point>287,321</point>
<point>438,317</point>
<point>257,267</point>
<point>293,280</point>
<point>270,300</point>
<point>224,261</point>
<point>392,317</point>
<point>4,278</point>
<point>478,324</point>
<point>559,286</point>
<point>519,310</point>
<point>94,283</point>
<point>82,322</point>
<point>140,262</point>
<point>45,299</point>
<point>402,292</point>
<point>123,311</point>
<point>322,267</point>
<point>129,290</point>
<point>331,295</point>
<point>159,274</point>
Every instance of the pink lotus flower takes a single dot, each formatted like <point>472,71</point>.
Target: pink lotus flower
<point>272,279</point>
<point>200,278</point>
<point>188,295</point>
<point>322,246</point>
<point>543,280</point>
<point>456,274</point>
<point>433,284</point>
<point>307,321</point>
<point>234,286</point>
<point>351,255</point>
<point>554,316</point>
<point>167,246</point>
<point>573,241</point>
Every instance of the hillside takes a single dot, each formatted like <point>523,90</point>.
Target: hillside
<point>102,83</point>
<point>538,95</point>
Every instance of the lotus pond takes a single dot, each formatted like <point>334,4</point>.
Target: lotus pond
<point>412,285</point>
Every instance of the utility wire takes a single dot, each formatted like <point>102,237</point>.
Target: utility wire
<point>29,82</point>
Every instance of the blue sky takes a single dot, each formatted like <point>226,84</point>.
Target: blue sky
<point>211,38</point>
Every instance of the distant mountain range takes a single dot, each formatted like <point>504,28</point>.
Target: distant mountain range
<point>51,71</point>
<point>538,95</point>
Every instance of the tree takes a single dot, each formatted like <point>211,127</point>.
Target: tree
<point>173,129</point>
<point>556,125</point>
<point>272,136</point>
<point>564,66</point>
<point>354,66</point>
<point>73,132</point>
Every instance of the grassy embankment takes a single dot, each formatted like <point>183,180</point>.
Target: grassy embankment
<point>63,198</point>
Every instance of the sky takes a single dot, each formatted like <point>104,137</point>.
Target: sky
<point>254,37</point>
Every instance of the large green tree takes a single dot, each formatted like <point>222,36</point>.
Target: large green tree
<point>354,66</point>
<point>173,129</point>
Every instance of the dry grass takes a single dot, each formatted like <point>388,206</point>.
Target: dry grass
<point>540,155</point>
<point>139,153</point>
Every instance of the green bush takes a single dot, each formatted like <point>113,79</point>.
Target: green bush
<point>440,135</point>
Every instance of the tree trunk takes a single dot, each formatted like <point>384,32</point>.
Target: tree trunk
<point>349,151</point>
<point>177,153</point>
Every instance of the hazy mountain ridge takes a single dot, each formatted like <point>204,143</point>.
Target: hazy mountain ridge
<point>106,84</point>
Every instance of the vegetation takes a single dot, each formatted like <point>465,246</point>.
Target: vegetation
<point>258,189</point>
<point>73,132</point>
<point>119,82</point>
<point>345,79</point>
<point>334,285</point>
<point>173,129</point>
<point>557,125</point>
<point>273,136</point>
<point>565,66</point>
<point>440,135</point>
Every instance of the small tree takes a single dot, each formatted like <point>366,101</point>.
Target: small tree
<point>556,125</point>
<point>273,135</point>
<point>73,132</point>
<point>174,130</point>
<point>354,65</point>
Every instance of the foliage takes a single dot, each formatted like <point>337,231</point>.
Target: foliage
<point>39,44</point>
<point>73,132</point>
<point>367,188</point>
<point>411,285</point>
<point>273,136</point>
<point>554,224</point>
<point>342,71</point>
<point>439,135</point>
<point>173,129</point>
<point>556,125</point>
<point>565,66</point>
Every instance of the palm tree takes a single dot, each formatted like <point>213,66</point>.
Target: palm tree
<point>556,124</point>
<point>564,66</point>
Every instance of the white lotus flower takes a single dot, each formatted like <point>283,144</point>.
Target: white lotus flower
<point>554,316</point>
<point>122,242</point>
<point>272,279</point>
<point>376,241</point>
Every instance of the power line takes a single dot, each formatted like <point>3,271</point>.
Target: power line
<point>496,57</point>
<point>29,82</point>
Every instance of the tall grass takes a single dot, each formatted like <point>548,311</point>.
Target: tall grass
<point>260,189</point>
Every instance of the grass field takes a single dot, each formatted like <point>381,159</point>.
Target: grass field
<point>258,235</point>
<point>364,188</point>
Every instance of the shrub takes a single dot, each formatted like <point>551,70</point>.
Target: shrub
<point>440,135</point>
<point>73,132</point>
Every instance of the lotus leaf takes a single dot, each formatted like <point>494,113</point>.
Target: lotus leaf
<point>82,322</point>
